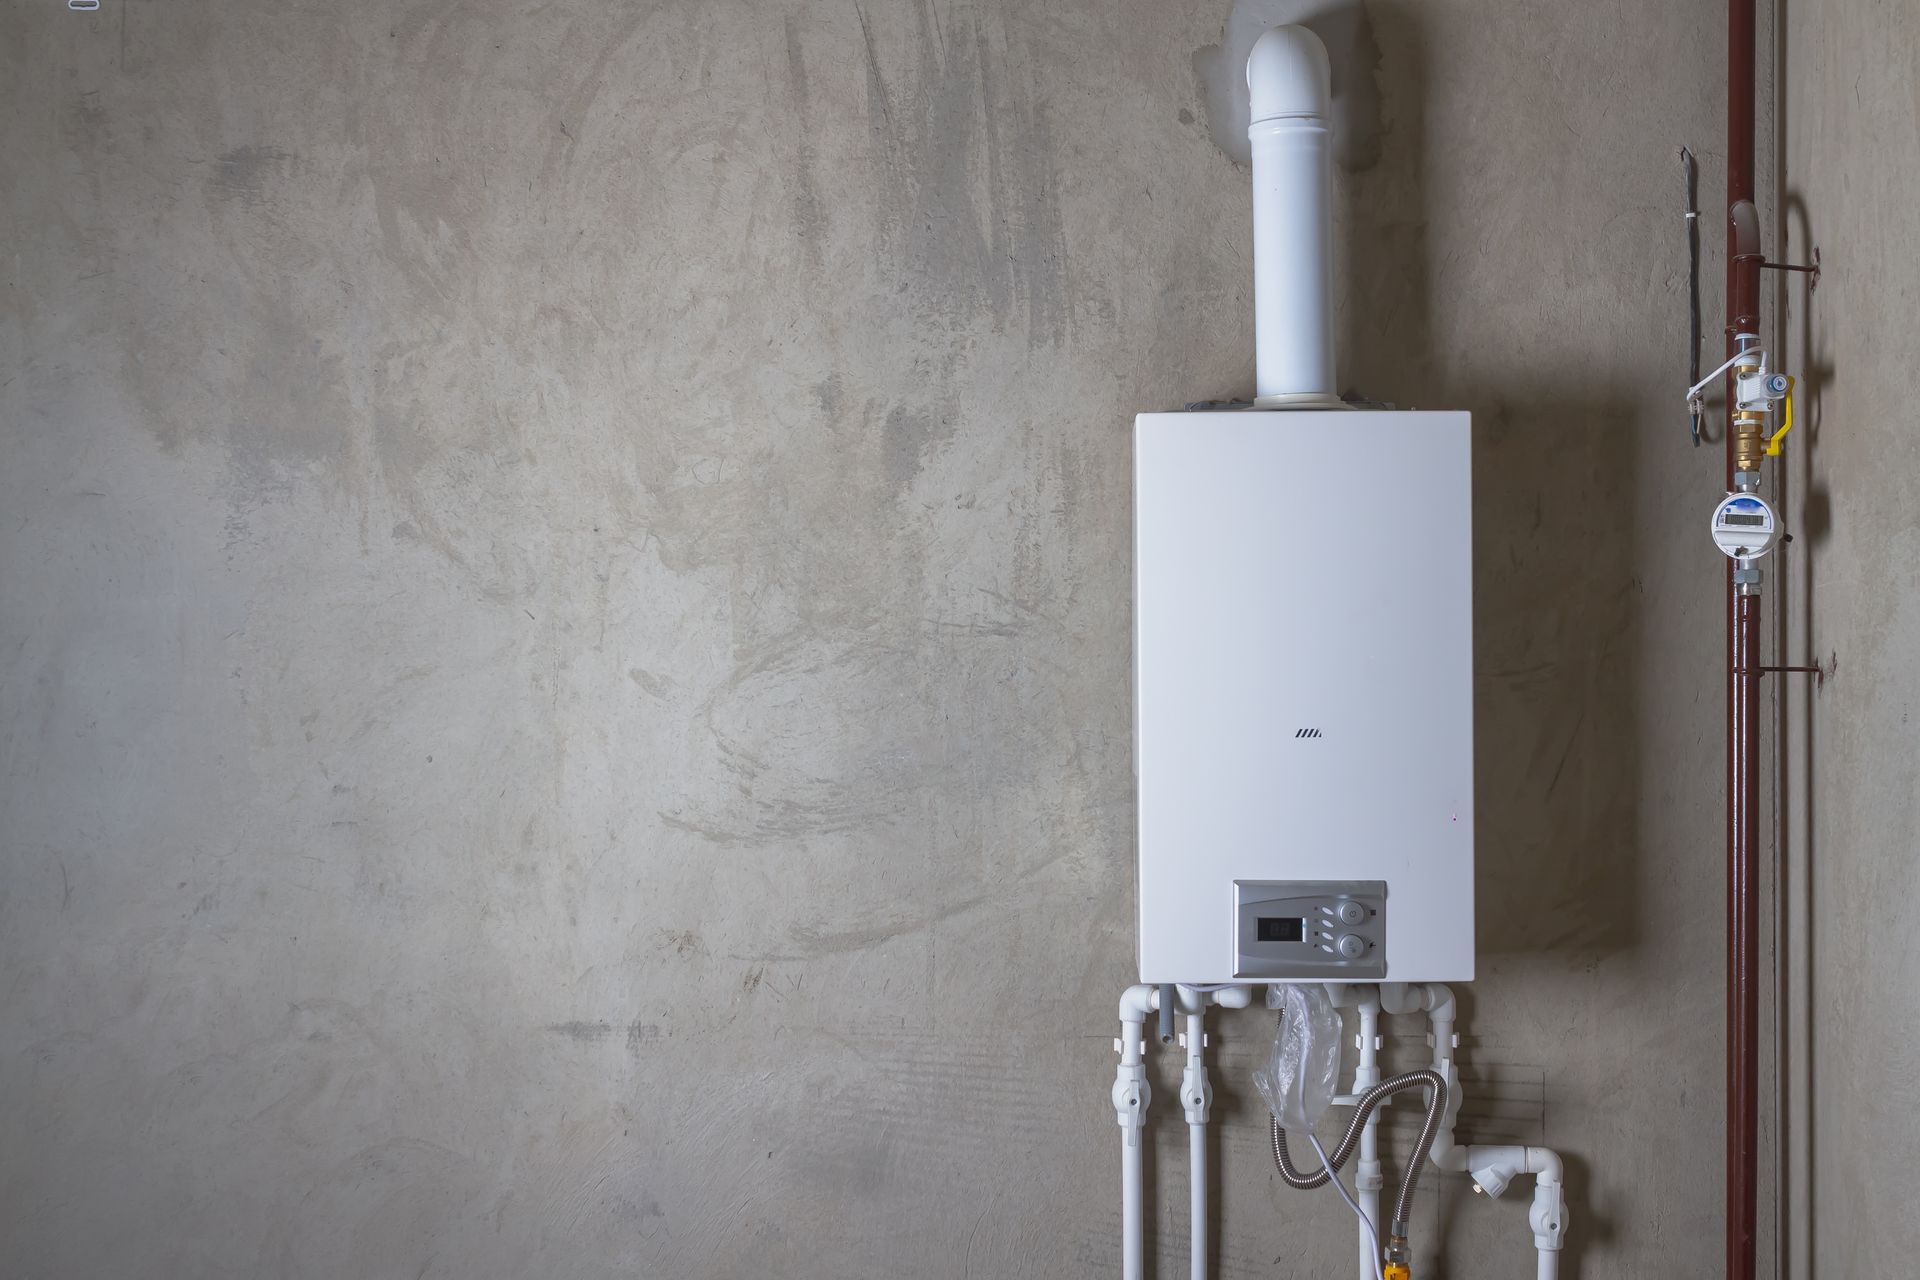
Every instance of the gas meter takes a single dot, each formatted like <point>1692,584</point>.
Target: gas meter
<point>1745,527</point>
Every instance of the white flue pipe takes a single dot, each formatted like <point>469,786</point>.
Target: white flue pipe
<point>1290,96</point>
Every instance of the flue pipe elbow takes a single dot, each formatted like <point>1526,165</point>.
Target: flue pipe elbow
<point>1289,76</point>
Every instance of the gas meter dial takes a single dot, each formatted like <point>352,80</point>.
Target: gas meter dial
<point>1745,527</point>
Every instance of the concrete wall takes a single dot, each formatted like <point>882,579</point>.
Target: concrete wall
<point>1852,831</point>
<point>565,647</point>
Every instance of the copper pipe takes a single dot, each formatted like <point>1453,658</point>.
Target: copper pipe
<point>1743,684</point>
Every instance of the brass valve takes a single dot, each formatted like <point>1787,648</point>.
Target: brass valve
<point>1757,392</point>
<point>1751,411</point>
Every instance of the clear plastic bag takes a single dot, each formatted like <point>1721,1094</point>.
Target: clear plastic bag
<point>1300,1075</point>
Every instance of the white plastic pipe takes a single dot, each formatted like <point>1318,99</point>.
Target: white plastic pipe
<point>1196,1099</point>
<point>1549,1215</point>
<point>1368,1176</point>
<point>1492,1167</point>
<point>1130,1098</point>
<point>1131,1095</point>
<point>1196,1094</point>
<point>1437,1000</point>
<point>1290,97</point>
<point>1131,1227</point>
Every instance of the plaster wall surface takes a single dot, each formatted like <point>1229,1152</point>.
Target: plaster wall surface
<point>1851,111</point>
<point>564,665</point>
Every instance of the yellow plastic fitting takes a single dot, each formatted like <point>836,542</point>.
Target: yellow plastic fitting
<point>1786,424</point>
<point>1398,1271</point>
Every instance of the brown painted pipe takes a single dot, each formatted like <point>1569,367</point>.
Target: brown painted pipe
<point>1743,682</point>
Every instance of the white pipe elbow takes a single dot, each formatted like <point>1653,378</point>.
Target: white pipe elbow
<point>1289,76</point>
<point>1136,1002</point>
<point>1546,1166</point>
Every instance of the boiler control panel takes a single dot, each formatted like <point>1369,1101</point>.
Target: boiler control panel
<point>1298,930</point>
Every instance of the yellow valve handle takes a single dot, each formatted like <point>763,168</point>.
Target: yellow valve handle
<point>1786,424</point>
<point>1396,1271</point>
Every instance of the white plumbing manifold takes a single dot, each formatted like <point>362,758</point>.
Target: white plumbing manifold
<point>1131,1096</point>
<point>1492,1168</point>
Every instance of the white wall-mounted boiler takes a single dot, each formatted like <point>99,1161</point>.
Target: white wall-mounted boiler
<point>1303,612</point>
<point>1303,673</point>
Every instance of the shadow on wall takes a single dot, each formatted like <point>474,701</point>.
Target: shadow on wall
<point>1555,633</point>
<point>1797,1027</point>
<point>1347,31</point>
<point>1557,613</point>
<point>1556,660</point>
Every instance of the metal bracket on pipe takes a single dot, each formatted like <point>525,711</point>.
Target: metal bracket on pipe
<point>1819,673</point>
<point>1811,270</point>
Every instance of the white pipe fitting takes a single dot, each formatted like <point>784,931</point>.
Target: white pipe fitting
<point>1290,97</point>
<point>1493,1168</point>
<point>1137,1001</point>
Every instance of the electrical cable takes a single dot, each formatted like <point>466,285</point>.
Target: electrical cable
<point>1690,174</point>
<point>1358,1212</point>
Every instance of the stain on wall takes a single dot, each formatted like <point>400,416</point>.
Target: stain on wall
<point>1346,29</point>
<point>564,680</point>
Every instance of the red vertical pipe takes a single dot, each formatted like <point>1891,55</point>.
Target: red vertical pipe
<point>1743,720</point>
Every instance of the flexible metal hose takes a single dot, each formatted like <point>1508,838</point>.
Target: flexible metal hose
<point>1436,1106</point>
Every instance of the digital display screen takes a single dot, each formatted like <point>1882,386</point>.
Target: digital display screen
<point>1751,521</point>
<point>1280,929</point>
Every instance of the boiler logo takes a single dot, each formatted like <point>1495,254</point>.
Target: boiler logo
<point>1309,733</point>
